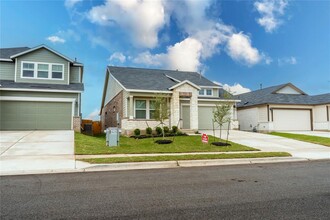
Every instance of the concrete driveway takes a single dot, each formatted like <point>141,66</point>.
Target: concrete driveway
<point>311,133</point>
<point>26,151</point>
<point>274,143</point>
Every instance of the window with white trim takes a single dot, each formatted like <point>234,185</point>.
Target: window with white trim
<point>152,109</point>
<point>39,70</point>
<point>206,92</point>
<point>28,70</point>
<point>141,109</point>
<point>144,109</point>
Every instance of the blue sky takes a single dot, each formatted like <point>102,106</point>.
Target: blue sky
<point>239,44</point>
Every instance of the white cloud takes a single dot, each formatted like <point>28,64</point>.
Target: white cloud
<point>184,55</point>
<point>117,56</point>
<point>287,60</point>
<point>235,89</point>
<point>203,36</point>
<point>55,39</point>
<point>270,11</point>
<point>71,3</point>
<point>94,115</point>
<point>141,19</point>
<point>240,49</point>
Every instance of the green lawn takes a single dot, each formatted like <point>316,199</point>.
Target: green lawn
<point>307,138</point>
<point>186,157</point>
<point>85,145</point>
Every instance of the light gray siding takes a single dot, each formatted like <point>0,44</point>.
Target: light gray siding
<point>113,88</point>
<point>75,74</point>
<point>44,95</point>
<point>44,56</point>
<point>7,71</point>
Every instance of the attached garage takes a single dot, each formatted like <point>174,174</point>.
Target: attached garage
<point>292,119</point>
<point>35,115</point>
<point>205,118</point>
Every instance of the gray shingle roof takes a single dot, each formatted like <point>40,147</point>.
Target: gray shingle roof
<point>5,53</point>
<point>267,96</point>
<point>12,85</point>
<point>155,79</point>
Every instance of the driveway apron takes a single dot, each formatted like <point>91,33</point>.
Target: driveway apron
<point>272,143</point>
<point>24,151</point>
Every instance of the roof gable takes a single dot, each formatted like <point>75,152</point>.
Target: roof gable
<point>185,82</point>
<point>39,47</point>
<point>289,89</point>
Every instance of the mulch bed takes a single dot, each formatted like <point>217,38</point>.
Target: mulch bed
<point>220,144</point>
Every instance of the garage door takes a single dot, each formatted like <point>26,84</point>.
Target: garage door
<point>291,120</point>
<point>205,116</point>
<point>20,115</point>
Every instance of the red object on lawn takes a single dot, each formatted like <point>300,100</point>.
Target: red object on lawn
<point>205,138</point>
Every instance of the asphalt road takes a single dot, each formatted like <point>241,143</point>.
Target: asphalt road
<point>266,191</point>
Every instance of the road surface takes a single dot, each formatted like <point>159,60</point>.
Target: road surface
<point>265,191</point>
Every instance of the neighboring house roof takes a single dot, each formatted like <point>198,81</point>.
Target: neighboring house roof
<point>269,96</point>
<point>156,79</point>
<point>8,85</point>
<point>6,53</point>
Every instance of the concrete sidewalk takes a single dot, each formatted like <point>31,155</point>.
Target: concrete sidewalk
<point>159,154</point>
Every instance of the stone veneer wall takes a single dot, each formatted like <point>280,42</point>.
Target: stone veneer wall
<point>175,105</point>
<point>108,115</point>
<point>76,123</point>
<point>129,125</point>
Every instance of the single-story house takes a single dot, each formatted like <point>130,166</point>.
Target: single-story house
<point>283,108</point>
<point>130,92</point>
<point>40,89</point>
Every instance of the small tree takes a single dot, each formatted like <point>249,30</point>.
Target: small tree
<point>162,111</point>
<point>222,113</point>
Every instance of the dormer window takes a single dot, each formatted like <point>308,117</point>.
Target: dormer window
<point>206,92</point>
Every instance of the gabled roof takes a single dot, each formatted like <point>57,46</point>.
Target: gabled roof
<point>155,79</point>
<point>6,53</point>
<point>269,96</point>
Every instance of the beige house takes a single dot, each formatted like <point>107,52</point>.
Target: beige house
<point>130,92</point>
<point>283,108</point>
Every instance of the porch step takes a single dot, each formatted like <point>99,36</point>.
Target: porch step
<point>188,131</point>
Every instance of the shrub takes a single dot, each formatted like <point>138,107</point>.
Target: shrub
<point>174,129</point>
<point>166,129</point>
<point>149,130</point>
<point>137,132</point>
<point>159,130</point>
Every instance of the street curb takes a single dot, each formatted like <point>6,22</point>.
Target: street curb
<point>162,165</point>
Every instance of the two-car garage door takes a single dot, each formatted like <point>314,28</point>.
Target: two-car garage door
<point>34,115</point>
<point>292,119</point>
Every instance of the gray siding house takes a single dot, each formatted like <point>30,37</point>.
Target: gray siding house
<point>40,89</point>
<point>130,92</point>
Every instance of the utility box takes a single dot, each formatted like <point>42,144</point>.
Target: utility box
<point>112,136</point>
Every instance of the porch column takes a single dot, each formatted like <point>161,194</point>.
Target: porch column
<point>194,111</point>
<point>131,108</point>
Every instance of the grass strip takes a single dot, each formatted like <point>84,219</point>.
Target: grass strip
<point>307,138</point>
<point>185,157</point>
<point>89,145</point>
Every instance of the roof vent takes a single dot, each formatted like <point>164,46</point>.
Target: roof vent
<point>245,103</point>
